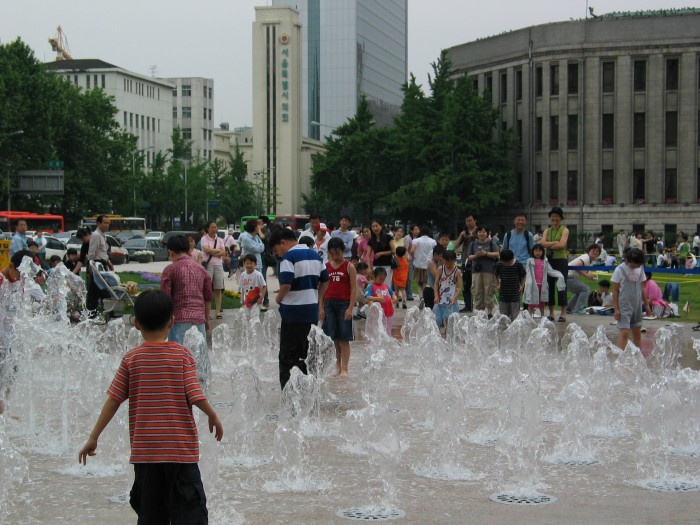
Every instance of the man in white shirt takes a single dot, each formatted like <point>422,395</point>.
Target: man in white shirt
<point>422,252</point>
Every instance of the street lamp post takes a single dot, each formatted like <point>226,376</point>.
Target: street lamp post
<point>185,162</point>
<point>9,185</point>
<point>133,170</point>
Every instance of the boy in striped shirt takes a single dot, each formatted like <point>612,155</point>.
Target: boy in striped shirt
<point>303,278</point>
<point>510,281</point>
<point>159,378</point>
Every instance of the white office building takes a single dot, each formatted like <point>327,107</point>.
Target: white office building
<point>144,104</point>
<point>193,112</point>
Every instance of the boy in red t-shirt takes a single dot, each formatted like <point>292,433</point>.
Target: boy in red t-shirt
<point>379,292</point>
<point>159,378</point>
<point>335,305</point>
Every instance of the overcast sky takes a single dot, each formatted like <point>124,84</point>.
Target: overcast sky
<point>212,38</point>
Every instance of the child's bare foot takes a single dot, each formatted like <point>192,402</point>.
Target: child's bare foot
<point>343,374</point>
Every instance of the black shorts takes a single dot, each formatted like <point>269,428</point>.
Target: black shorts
<point>168,493</point>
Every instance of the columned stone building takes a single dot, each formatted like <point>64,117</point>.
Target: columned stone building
<point>606,111</point>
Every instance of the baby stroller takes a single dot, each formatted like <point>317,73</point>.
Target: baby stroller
<point>115,297</point>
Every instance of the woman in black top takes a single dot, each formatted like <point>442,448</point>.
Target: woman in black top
<point>383,248</point>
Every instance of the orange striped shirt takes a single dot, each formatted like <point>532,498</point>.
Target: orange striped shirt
<point>160,382</point>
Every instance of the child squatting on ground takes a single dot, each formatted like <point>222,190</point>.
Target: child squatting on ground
<point>629,296</point>
<point>159,378</point>
<point>378,292</point>
<point>336,303</point>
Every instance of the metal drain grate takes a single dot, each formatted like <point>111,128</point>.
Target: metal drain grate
<point>576,462</point>
<point>271,417</point>
<point>671,485</point>
<point>223,404</point>
<point>370,513</point>
<point>522,499</point>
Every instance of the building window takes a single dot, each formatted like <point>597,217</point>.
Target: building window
<point>148,123</point>
<point>538,81</point>
<point>175,113</point>
<point>553,187</point>
<point>538,187</point>
<point>640,76</point>
<point>504,88</point>
<point>131,120</point>
<point>489,84</point>
<point>518,189</point>
<point>125,119</point>
<point>608,130</point>
<point>572,76</point>
<point>671,129</point>
<point>519,132</point>
<point>143,124</point>
<point>697,189</point>
<point>608,77</point>
<point>638,186</point>
<point>209,134</point>
<point>671,74</point>
<point>553,133</point>
<point>204,134</point>
<point>210,114</point>
<point>608,187</point>
<point>538,134</point>
<point>186,112</point>
<point>519,84</point>
<point>204,116</point>
<point>204,91</point>
<point>554,79</point>
<point>187,133</point>
<point>640,130</point>
<point>186,90</point>
<point>87,81</point>
<point>210,92</point>
<point>671,186</point>
<point>572,133</point>
<point>698,129</point>
<point>137,120</point>
<point>175,91</point>
<point>572,187</point>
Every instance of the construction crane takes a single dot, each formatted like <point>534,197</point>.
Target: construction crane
<point>59,43</point>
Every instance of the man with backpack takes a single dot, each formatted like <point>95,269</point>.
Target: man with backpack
<point>519,240</point>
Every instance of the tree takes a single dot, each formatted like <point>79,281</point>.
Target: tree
<point>355,172</point>
<point>62,122</point>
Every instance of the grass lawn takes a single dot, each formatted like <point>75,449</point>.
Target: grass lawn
<point>689,290</point>
<point>227,302</point>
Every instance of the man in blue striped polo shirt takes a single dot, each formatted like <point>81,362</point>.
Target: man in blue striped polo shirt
<point>302,276</point>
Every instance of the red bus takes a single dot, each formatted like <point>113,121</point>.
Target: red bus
<point>295,222</point>
<point>45,222</point>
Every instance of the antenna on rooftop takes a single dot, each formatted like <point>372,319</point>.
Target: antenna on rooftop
<point>153,69</point>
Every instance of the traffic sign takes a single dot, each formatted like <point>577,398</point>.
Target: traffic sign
<point>54,164</point>
<point>213,204</point>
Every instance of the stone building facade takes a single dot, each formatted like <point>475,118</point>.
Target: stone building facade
<point>607,114</point>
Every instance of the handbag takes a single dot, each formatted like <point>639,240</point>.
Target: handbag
<point>206,263</point>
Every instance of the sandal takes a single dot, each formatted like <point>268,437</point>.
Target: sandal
<point>550,318</point>
<point>562,319</point>
<point>219,316</point>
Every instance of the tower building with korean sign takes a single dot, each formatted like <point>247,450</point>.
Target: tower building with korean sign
<point>277,140</point>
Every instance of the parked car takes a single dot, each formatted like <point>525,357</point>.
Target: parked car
<point>117,253</point>
<point>54,247</point>
<point>64,237</point>
<point>160,252</point>
<point>125,236</point>
<point>158,236</point>
<point>166,237</point>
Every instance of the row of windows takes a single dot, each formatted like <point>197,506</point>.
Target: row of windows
<point>671,78</point>
<point>639,129</point>
<point>186,91</point>
<point>607,187</point>
<point>187,113</point>
<point>132,120</point>
<point>187,134</point>
<point>88,83</point>
<point>140,88</point>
